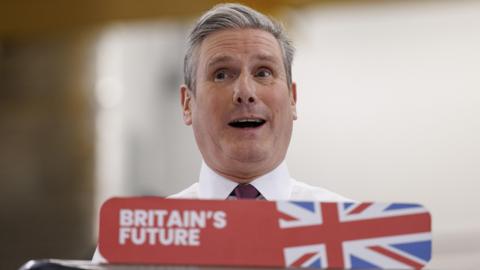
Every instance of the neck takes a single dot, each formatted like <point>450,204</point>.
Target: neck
<point>246,175</point>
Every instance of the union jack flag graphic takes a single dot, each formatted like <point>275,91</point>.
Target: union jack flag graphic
<point>355,235</point>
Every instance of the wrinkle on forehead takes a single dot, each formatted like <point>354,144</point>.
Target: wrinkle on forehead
<point>220,45</point>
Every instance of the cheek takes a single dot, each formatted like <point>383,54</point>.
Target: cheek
<point>279,104</point>
<point>211,111</point>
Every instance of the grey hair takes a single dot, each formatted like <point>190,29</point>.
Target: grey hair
<point>234,16</point>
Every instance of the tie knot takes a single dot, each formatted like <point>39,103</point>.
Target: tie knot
<point>246,192</point>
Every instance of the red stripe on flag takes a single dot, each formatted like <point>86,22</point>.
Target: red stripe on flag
<point>359,208</point>
<point>303,259</point>
<point>285,217</point>
<point>397,257</point>
<point>333,246</point>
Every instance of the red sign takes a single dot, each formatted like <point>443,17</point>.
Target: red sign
<point>151,230</point>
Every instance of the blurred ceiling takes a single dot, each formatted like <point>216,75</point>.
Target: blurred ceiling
<point>31,18</point>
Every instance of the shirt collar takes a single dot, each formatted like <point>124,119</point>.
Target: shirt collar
<point>275,185</point>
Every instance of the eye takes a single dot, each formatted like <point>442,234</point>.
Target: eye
<point>220,75</point>
<point>263,73</point>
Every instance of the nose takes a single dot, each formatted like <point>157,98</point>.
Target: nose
<point>244,92</point>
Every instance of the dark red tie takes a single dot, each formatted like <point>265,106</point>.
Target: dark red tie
<point>246,192</point>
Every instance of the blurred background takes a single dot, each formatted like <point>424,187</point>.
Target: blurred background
<point>388,104</point>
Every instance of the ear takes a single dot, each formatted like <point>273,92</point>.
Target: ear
<point>293,100</point>
<point>186,102</point>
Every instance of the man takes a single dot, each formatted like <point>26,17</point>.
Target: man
<point>240,100</point>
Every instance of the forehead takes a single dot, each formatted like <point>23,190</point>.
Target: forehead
<point>236,43</point>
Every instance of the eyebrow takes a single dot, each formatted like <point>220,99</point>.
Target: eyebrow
<point>227,58</point>
<point>220,60</point>
<point>266,57</point>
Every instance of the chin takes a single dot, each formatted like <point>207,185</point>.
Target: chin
<point>251,154</point>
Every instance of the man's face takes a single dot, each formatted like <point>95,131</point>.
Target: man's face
<point>242,111</point>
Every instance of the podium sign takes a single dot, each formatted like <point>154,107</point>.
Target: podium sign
<point>151,230</point>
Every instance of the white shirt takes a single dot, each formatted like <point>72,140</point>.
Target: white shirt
<point>275,185</point>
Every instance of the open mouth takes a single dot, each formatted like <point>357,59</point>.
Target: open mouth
<point>247,123</point>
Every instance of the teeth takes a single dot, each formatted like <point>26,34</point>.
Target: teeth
<point>248,121</point>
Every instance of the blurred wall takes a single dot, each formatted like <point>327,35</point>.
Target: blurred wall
<point>46,157</point>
